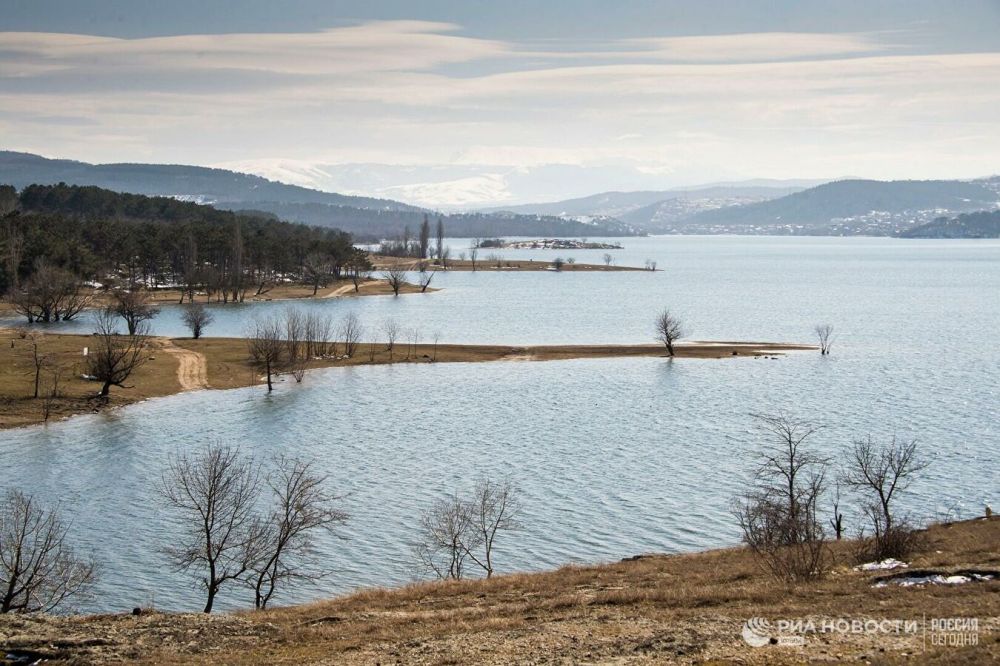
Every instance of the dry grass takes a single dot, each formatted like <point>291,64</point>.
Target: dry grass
<point>657,609</point>
<point>17,407</point>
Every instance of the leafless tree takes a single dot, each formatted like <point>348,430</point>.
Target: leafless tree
<point>40,360</point>
<point>266,347</point>
<point>493,508</point>
<point>302,507</point>
<point>395,275</point>
<point>437,339</point>
<point>392,330</point>
<point>669,329</point>
<point>134,306</point>
<point>446,535</point>
<point>50,294</point>
<point>197,318</point>
<point>316,270</point>
<point>882,472</point>
<point>296,359</point>
<point>608,259</point>
<point>825,334</point>
<point>558,263</point>
<point>350,333</point>
<point>570,260</point>
<point>317,331</point>
<point>837,521</point>
<point>214,492</point>
<point>444,256</point>
<point>779,512</point>
<point>359,269</point>
<point>424,277</point>
<point>38,568</point>
<point>474,254</point>
<point>113,357</point>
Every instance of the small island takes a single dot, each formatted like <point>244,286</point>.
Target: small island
<point>546,244</point>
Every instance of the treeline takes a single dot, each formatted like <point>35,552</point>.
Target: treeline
<point>108,237</point>
<point>371,224</point>
<point>981,224</point>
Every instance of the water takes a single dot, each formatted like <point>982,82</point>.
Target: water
<point>613,456</point>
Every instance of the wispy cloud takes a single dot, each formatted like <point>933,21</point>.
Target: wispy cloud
<point>776,104</point>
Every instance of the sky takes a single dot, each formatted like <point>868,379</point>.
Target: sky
<point>466,103</point>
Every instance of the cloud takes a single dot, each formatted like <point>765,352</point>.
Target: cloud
<point>419,92</point>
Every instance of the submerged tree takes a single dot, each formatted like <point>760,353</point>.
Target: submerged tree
<point>134,306</point>
<point>824,332</point>
<point>197,318</point>
<point>266,347</point>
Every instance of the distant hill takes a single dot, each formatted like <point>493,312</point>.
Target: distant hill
<point>365,217</point>
<point>982,224</point>
<point>371,223</point>
<point>193,183</point>
<point>850,207</point>
<point>619,204</point>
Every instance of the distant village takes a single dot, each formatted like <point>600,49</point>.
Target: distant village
<point>547,244</point>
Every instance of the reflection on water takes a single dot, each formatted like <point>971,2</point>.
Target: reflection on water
<point>615,456</point>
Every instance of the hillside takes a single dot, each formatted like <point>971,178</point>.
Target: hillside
<point>365,217</point>
<point>623,204</point>
<point>653,609</point>
<point>194,183</point>
<point>983,224</point>
<point>849,207</point>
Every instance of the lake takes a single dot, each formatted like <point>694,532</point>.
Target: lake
<point>613,457</point>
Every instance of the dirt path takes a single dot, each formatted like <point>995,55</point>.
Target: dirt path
<point>347,288</point>
<point>192,370</point>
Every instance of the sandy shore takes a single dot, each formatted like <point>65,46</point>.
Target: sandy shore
<point>182,364</point>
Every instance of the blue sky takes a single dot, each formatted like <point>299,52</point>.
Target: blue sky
<point>452,102</point>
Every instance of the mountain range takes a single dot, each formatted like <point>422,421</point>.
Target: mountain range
<point>365,217</point>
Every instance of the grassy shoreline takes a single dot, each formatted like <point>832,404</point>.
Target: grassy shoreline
<point>179,364</point>
<point>685,608</point>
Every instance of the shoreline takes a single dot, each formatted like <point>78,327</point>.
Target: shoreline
<point>645,609</point>
<point>177,365</point>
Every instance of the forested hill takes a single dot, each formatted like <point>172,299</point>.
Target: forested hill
<point>855,204</point>
<point>366,218</point>
<point>376,224</point>
<point>90,233</point>
<point>982,224</point>
<point>200,184</point>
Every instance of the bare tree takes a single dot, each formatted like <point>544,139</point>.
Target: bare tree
<point>392,330</point>
<point>38,568</point>
<point>825,334</point>
<point>214,492</point>
<point>558,263</point>
<point>437,339</point>
<point>882,472</point>
<point>350,333</point>
<point>113,357</point>
<point>197,318</point>
<point>446,536</point>
<point>395,275</point>
<point>302,507</point>
<point>40,360</point>
<point>133,305</point>
<point>360,269</point>
<point>474,254</point>
<point>266,347</point>
<point>296,359</point>
<point>424,277</point>
<point>779,512</point>
<point>608,259</point>
<point>316,270</point>
<point>317,331</point>
<point>50,294</point>
<point>493,509</point>
<point>669,329</point>
<point>837,521</point>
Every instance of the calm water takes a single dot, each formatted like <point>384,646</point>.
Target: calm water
<point>614,457</point>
